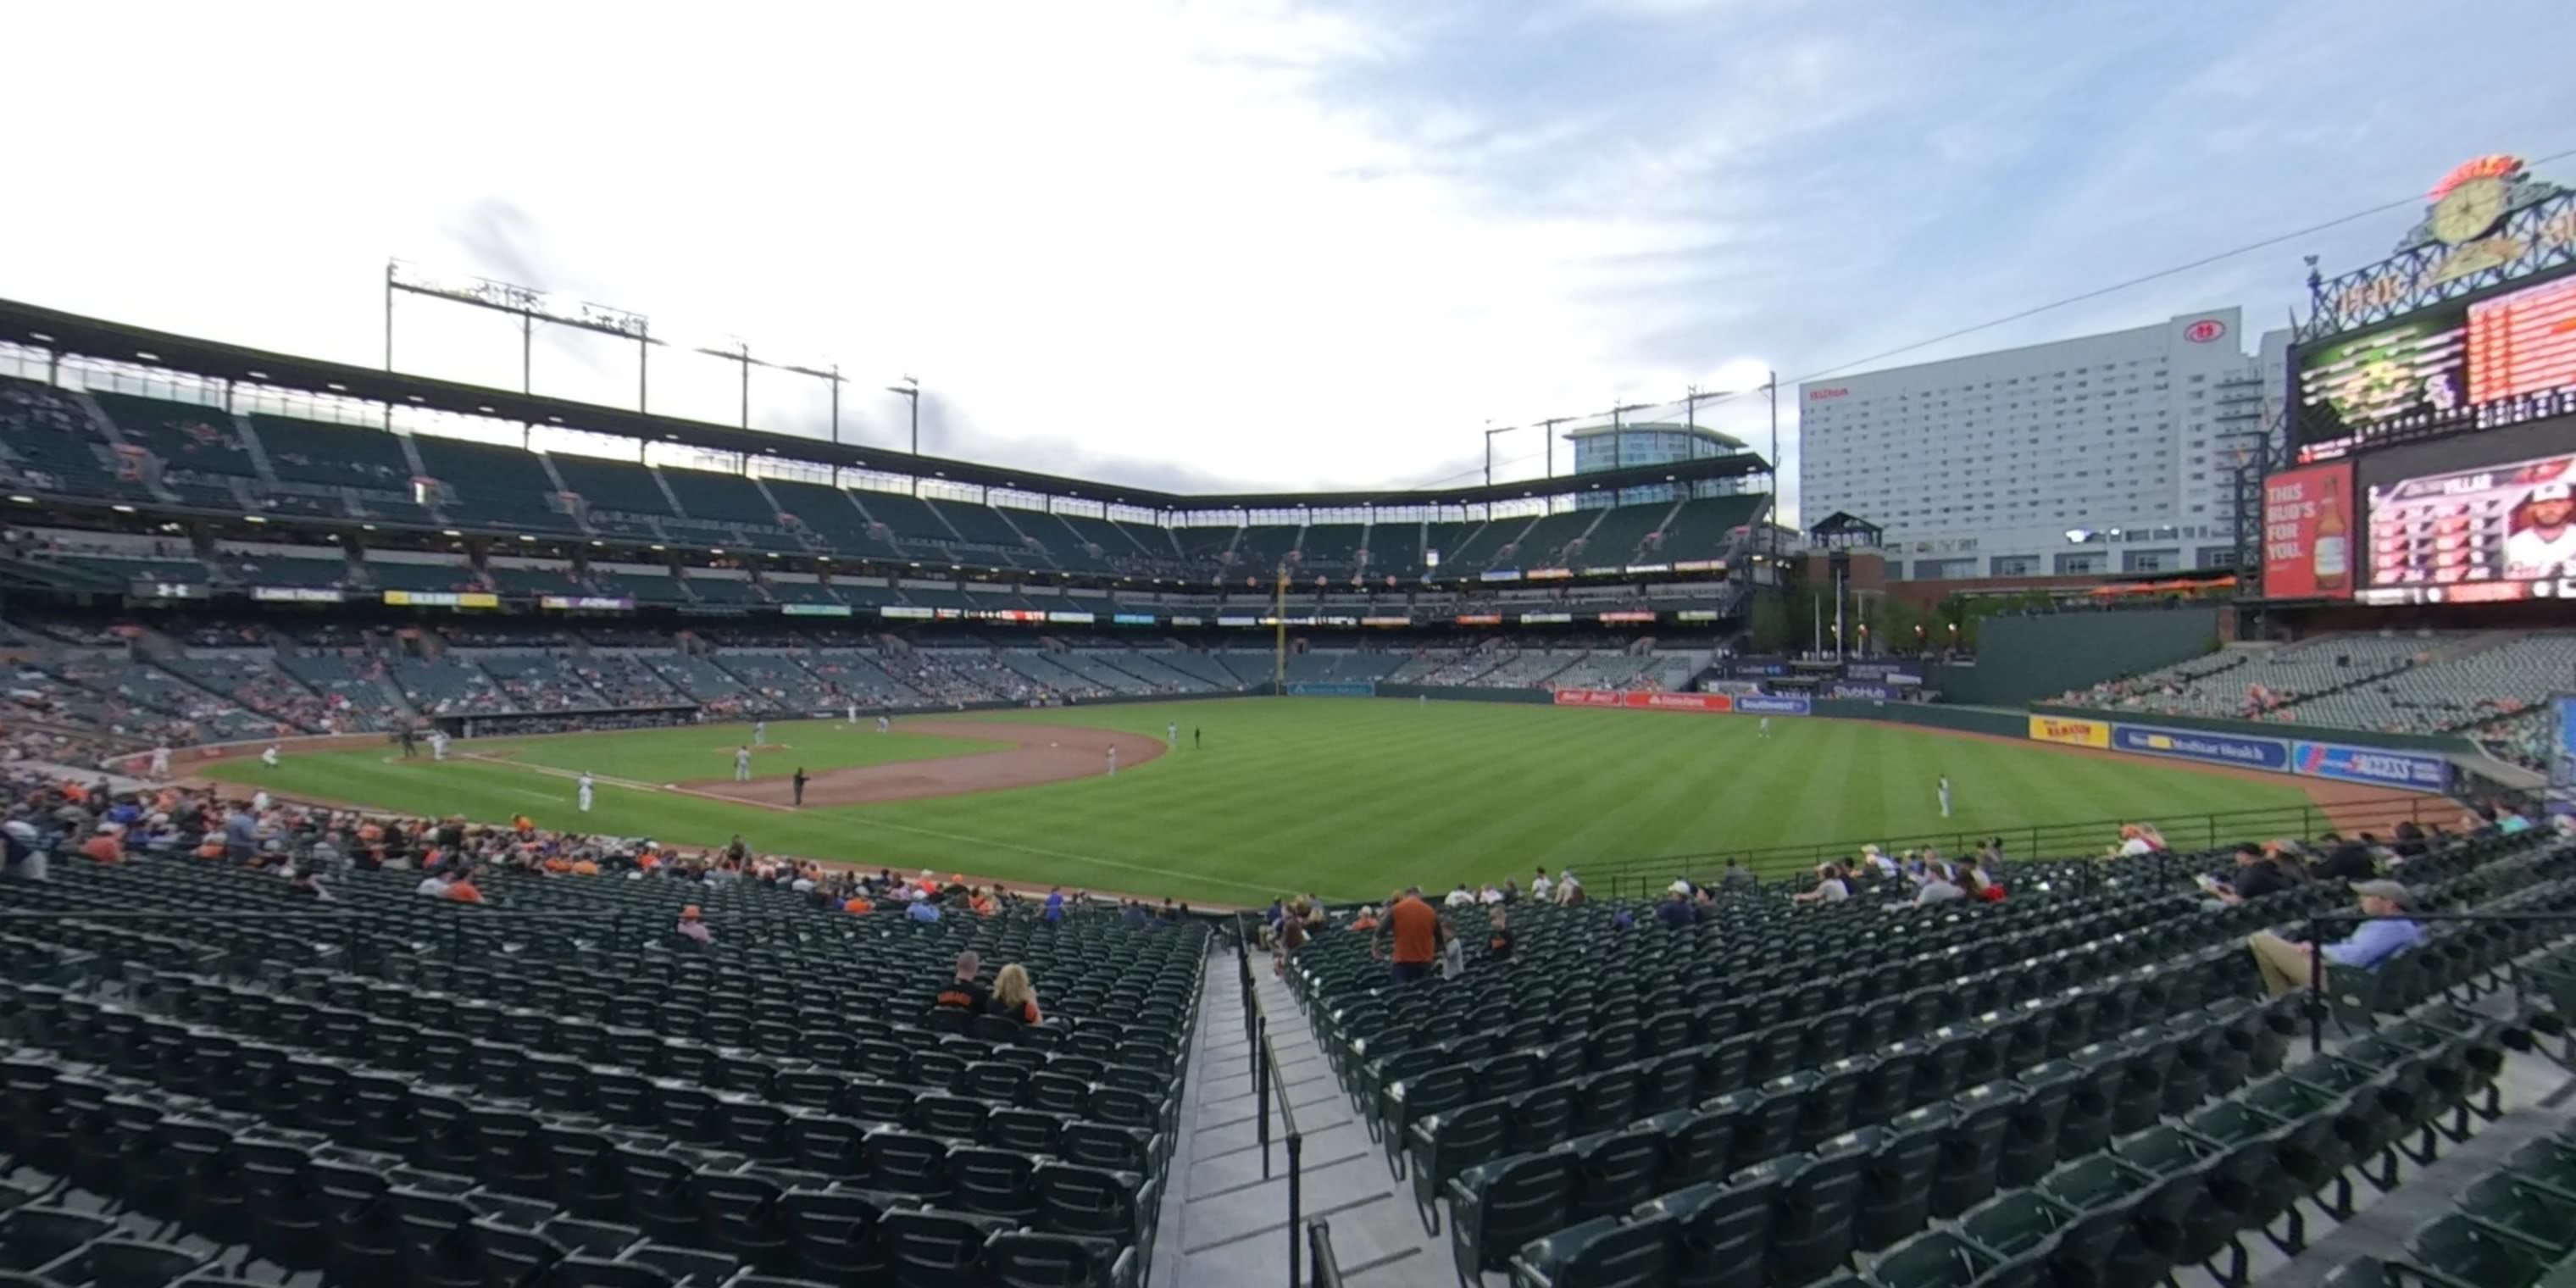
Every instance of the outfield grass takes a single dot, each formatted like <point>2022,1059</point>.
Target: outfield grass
<point>1343,796</point>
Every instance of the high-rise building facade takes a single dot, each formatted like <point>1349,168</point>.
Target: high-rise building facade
<point>2111,453</point>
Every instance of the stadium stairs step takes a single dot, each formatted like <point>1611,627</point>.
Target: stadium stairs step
<point>1223,1223</point>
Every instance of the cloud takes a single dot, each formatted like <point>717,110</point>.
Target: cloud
<point>1242,246</point>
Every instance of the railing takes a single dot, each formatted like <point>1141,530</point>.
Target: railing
<point>2045,840</point>
<point>360,919</point>
<point>1319,1253</point>
<point>1266,1081</point>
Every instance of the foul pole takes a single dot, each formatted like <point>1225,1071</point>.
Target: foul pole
<point>1279,637</point>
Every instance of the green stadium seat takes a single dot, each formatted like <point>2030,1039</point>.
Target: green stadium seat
<point>1495,1208</point>
<point>1602,1252</point>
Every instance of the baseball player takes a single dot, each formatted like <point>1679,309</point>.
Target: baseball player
<point>1945,796</point>
<point>438,744</point>
<point>884,724</point>
<point>854,713</point>
<point>760,733</point>
<point>581,793</point>
<point>742,764</point>
<point>161,761</point>
<point>1766,726</point>
<point>269,757</point>
<point>1172,735</point>
<point>1113,762</point>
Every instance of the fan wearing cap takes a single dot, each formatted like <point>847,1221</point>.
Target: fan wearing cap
<point>693,926</point>
<point>2285,962</point>
<point>2543,539</point>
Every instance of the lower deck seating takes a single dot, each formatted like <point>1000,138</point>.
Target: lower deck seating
<point>422,1092</point>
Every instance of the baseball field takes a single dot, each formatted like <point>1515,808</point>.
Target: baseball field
<point>1342,796</point>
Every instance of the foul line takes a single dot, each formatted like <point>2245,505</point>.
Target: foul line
<point>552,772</point>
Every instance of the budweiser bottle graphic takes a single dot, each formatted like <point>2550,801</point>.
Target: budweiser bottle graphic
<point>2333,545</point>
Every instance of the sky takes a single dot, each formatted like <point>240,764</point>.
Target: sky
<point>1236,246</point>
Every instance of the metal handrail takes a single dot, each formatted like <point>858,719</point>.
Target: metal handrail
<point>1265,1079</point>
<point>1319,1249</point>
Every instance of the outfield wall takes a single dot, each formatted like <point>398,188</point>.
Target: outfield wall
<point>2030,659</point>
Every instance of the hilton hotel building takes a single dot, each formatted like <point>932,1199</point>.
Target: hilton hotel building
<point>2111,453</point>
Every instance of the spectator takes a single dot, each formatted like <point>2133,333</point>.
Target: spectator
<point>964,991</point>
<point>1453,953</point>
<point>1014,998</point>
<point>1291,937</point>
<point>1736,874</point>
<point>1622,919</point>
<point>1830,886</point>
<point>1982,888</point>
<point>1415,928</point>
<point>1939,886</point>
<point>106,845</point>
<point>1055,904</point>
<point>1540,886</point>
<point>2133,841</point>
<point>1498,937</point>
<point>693,925</point>
<point>1461,897</point>
<point>2287,966</point>
<point>1367,920</point>
<point>1676,910</point>
<point>433,885</point>
<point>463,889</point>
<point>2347,861</point>
<point>1570,891</point>
<point>2256,876</point>
<point>923,909</point>
<point>307,883</point>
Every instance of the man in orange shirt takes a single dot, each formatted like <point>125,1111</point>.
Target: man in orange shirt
<point>107,846</point>
<point>1415,927</point>
<point>462,888</point>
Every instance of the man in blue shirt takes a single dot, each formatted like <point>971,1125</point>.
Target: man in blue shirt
<point>2285,963</point>
<point>923,910</point>
<point>1055,904</point>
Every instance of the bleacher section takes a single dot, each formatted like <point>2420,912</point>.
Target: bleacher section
<point>201,449</point>
<point>450,1097</point>
<point>2455,693</point>
<point>622,499</point>
<point>496,488</point>
<point>450,685</point>
<point>48,445</point>
<point>2087,1086</point>
<point>303,451</point>
<point>350,682</point>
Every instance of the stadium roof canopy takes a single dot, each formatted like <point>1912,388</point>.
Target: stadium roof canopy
<point>69,335</point>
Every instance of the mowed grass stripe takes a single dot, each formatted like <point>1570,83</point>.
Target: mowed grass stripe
<point>1348,797</point>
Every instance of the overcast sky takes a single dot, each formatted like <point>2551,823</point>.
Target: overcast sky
<point>1234,245</point>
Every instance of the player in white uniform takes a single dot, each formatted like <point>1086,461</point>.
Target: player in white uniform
<point>854,713</point>
<point>161,761</point>
<point>760,733</point>
<point>582,792</point>
<point>1945,796</point>
<point>1113,762</point>
<point>2547,542</point>
<point>269,757</point>
<point>438,744</point>
<point>1766,726</point>
<point>742,764</point>
<point>1172,736</point>
<point>883,724</point>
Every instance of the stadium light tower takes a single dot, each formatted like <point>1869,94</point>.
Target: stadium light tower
<point>910,391</point>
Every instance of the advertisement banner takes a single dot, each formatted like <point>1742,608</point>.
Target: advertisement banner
<point>1628,615</point>
<point>296,594</point>
<point>2072,733</point>
<point>906,612</point>
<point>2307,533</point>
<point>1546,619</point>
<point>1891,672</point>
<point>1866,692</point>
<point>1715,702</point>
<point>814,610</point>
<point>1776,704</point>
<point>2404,770</point>
<point>442,599</point>
<point>2213,748</point>
<point>1131,619</point>
<point>1327,689</point>
<point>588,603</point>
